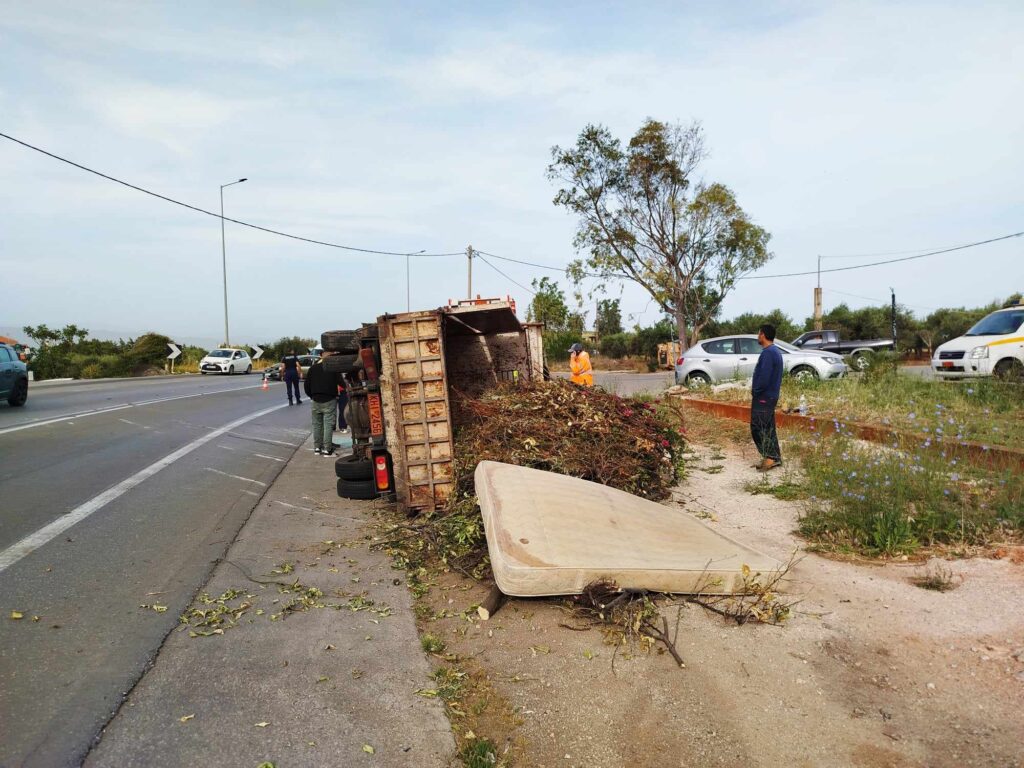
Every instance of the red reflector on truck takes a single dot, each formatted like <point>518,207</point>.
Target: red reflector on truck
<point>380,472</point>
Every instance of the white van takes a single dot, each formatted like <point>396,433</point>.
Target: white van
<point>993,347</point>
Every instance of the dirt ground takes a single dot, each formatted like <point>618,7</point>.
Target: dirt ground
<point>870,671</point>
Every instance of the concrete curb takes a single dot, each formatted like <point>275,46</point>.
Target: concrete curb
<point>979,454</point>
<point>311,687</point>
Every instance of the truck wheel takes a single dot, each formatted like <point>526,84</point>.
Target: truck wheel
<point>353,468</point>
<point>357,489</point>
<point>804,373</point>
<point>345,364</point>
<point>862,361</point>
<point>1009,370</point>
<point>698,379</point>
<point>19,394</point>
<point>339,341</point>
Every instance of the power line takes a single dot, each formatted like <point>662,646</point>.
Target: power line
<point>887,261</point>
<point>217,215</point>
<point>794,274</point>
<point>485,261</point>
<point>876,301</point>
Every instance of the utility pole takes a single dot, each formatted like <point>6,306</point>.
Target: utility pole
<point>469,275</point>
<point>224,260</point>
<point>817,299</point>
<point>893,292</point>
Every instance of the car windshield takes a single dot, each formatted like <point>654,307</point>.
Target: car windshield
<point>220,353</point>
<point>998,324</point>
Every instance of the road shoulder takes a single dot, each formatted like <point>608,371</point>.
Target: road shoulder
<point>322,682</point>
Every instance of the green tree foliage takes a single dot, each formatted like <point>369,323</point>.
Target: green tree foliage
<point>643,216</point>
<point>548,305</point>
<point>609,318</point>
<point>616,344</point>
<point>749,322</point>
<point>275,350</point>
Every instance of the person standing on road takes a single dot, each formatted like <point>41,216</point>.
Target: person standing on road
<point>765,396</point>
<point>579,364</point>
<point>322,389</point>
<point>291,373</point>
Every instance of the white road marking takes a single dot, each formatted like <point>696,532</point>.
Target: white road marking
<point>126,422</point>
<point>236,477</point>
<point>33,541</point>
<point>225,447</point>
<point>264,440</point>
<point>272,458</point>
<point>252,493</point>
<point>291,506</point>
<point>97,411</point>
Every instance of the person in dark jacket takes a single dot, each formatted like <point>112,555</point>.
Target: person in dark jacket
<point>322,388</point>
<point>765,396</point>
<point>291,373</point>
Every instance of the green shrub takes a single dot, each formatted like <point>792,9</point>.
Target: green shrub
<point>557,343</point>
<point>616,345</point>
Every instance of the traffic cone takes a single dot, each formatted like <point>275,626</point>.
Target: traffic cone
<point>266,384</point>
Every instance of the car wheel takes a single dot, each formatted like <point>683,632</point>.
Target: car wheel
<point>357,489</point>
<point>804,373</point>
<point>19,394</point>
<point>248,370</point>
<point>231,369</point>
<point>862,361</point>
<point>698,379</point>
<point>353,468</point>
<point>1009,370</point>
<point>202,373</point>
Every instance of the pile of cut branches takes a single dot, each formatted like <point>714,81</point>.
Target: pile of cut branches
<point>582,432</point>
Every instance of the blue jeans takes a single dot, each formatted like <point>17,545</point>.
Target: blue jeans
<point>291,382</point>
<point>323,424</point>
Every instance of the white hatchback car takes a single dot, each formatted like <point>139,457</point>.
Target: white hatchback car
<point>226,361</point>
<point>992,347</point>
<point>734,357</point>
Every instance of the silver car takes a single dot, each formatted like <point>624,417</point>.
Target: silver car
<point>734,357</point>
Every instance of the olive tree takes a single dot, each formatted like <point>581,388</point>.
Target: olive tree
<point>644,216</point>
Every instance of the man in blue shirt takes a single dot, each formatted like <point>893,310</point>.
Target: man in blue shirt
<point>765,395</point>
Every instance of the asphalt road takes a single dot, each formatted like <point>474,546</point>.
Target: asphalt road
<point>115,496</point>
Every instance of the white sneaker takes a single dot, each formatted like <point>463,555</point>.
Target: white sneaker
<point>316,451</point>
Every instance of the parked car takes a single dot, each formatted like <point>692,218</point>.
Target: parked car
<point>860,350</point>
<point>13,376</point>
<point>273,372</point>
<point>226,361</point>
<point>734,357</point>
<point>992,347</point>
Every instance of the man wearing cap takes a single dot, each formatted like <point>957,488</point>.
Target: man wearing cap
<point>579,364</point>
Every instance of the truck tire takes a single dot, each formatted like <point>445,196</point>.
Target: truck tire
<point>353,468</point>
<point>861,360</point>
<point>339,341</point>
<point>357,489</point>
<point>345,364</point>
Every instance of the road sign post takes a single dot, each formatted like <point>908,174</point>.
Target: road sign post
<point>174,351</point>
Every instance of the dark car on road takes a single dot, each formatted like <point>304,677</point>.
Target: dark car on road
<point>13,376</point>
<point>859,350</point>
<point>273,372</point>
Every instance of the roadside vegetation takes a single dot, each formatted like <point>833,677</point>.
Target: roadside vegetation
<point>69,353</point>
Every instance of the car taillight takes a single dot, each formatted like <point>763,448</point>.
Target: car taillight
<point>380,472</point>
<point>679,361</point>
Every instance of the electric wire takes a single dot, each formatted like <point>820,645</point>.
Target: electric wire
<point>485,261</point>
<point>217,215</point>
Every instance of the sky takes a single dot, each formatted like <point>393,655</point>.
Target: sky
<point>847,130</point>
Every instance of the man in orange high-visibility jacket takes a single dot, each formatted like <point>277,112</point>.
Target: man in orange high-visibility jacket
<point>579,364</point>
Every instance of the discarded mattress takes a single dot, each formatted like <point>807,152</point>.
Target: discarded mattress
<point>550,534</point>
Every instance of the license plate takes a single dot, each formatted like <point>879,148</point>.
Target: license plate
<point>376,415</point>
<point>947,364</point>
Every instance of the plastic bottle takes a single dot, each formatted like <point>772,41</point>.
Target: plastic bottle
<point>803,406</point>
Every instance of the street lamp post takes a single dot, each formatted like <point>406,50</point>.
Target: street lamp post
<point>224,260</point>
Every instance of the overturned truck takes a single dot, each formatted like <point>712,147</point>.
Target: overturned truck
<point>400,373</point>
